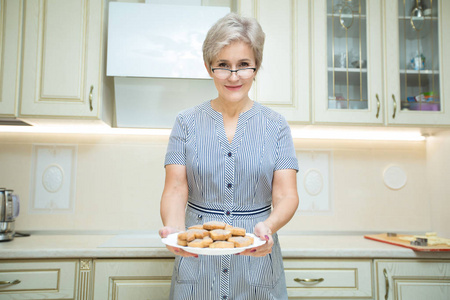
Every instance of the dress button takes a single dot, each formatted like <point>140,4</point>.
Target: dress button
<point>228,213</point>
<point>224,297</point>
<point>229,154</point>
<point>229,185</point>
<point>225,270</point>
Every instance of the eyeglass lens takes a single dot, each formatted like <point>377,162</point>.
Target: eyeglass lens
<point>225,73</point>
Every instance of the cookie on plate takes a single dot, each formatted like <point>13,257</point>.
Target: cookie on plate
<point>193,234</point>
<point>196,227</point>
<point>214,225</point>
<point>237,231</point>
<point>220,234</point>
<point>222,244</point>
<point>241,241</point>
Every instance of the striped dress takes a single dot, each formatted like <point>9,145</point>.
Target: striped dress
<point>230,182</point>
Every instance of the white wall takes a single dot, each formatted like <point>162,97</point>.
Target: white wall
<point>119,181</point>
<point>438,166</point>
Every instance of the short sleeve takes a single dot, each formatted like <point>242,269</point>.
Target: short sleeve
<point>286,156</point>
<point>176,150</point>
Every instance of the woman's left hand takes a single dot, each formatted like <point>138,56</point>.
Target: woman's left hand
<point>264,233</point>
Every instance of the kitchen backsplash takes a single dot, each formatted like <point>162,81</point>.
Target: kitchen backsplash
<point>119,181</point>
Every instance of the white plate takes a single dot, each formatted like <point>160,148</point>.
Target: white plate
<point>171,240</point>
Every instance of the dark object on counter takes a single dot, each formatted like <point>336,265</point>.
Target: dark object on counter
<point>420,242</point>
<point>391,234</point>
<point>9,210</point>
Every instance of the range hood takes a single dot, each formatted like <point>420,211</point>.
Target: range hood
<point>155,55</point>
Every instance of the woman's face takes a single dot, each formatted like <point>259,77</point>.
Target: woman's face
<point>235,56</point>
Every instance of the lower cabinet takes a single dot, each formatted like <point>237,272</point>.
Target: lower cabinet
<point>329,278</point>
<point>412,279</point>
<point>38,279</point>
<point>132,279</point>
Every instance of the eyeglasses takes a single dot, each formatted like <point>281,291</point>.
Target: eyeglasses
<point>244,73</point>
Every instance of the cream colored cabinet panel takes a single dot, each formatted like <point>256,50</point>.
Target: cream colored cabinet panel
<point>331,279</point>
<point>130,279</point>
<point>38,279</point>
<point>61,58</point>
<point>10,38</point>
<point>347,57</point>
<point>412,280</point>
<point>283,81</point>
<point>417,64</point>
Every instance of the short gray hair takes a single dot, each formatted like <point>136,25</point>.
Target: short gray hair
<point>232,28</point>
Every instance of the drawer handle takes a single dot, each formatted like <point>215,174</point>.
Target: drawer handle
<point>8,283</point>
<point>302,280</point>
<point>386,281</point>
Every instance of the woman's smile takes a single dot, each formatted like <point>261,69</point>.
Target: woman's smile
<point>233,87</point>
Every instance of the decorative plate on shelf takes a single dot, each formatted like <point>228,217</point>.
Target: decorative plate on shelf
<point>171,240</point>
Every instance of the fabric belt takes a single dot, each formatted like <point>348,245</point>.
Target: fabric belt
<point>234,212</point>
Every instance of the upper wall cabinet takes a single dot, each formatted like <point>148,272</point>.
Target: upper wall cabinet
<point>10,38</point>
<point>283,82</point>
<point>417,49</point>
<point>63,59</point>
<point>383,62</point>
<point>347,56</point>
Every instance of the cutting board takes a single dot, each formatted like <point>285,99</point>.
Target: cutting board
<point>384,238</point>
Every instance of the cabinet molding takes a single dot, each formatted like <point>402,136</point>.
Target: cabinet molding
<point>283,81</point>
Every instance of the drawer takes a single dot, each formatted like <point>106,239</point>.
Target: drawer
<point>38,279</point>
<point>328,278</point>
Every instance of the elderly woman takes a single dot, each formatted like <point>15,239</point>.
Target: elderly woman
<point>230,159</point>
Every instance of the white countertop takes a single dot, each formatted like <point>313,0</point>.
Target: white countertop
<point>149,246</point>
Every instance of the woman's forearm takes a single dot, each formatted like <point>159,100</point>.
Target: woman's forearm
<point>174,197</point>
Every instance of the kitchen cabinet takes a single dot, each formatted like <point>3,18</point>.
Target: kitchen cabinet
<point>368,67</point>
<point>283,82</point>
<point>347,55</point>
<point>132,278</point>
<point>63,64</point>
<point>328,278</point>
<point>38,279</point>
<point>417,51</point>
<point>10,39</point>
<point>412,279</point>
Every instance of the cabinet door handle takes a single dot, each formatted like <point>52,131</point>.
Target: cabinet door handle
<point>378,106</point>
<point>300,280</point>
<point>9,283</point>
<point>386,281</point>
<point>395,106</point>
<point>90,97</point>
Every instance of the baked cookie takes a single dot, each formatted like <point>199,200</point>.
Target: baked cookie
<point>182,236</point>
<point>196,227</point>
<point>214,225</point>
<point>221,244</point>
<point>207,241</point>
<point>220,234</point>
<point>197,243</point>
<point>193,234</point>
<point>237,231</point>
<point>241,241</point>
<point>183,243</point>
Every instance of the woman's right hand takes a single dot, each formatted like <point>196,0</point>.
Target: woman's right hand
<point>164,232</point>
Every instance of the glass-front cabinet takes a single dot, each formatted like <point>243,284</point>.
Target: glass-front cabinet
<point>347,84</point>
<point>380,62</point>
<point>417,50</point>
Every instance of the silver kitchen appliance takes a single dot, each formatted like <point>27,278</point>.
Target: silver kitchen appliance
<point>9,210</point>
